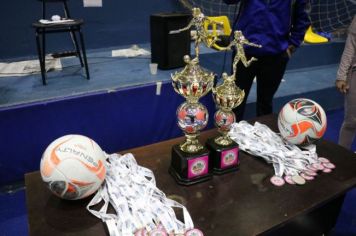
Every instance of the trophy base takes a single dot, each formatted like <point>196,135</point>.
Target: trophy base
<point>190,168</point>
<point>223,159</point>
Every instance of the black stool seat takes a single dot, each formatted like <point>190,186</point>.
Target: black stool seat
<point>59,25</point>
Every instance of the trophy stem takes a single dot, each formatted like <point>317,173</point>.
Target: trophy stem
<point>193,100</point>
<point>191,144</point>
<point>224,118</point>
<point>224,139</point>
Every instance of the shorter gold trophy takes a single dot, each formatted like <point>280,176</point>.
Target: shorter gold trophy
<point>224,152</point>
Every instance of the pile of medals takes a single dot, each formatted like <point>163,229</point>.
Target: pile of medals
<point>140,207</point>
<point>290,163</point>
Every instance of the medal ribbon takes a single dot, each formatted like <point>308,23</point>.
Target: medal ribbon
<point>259,140</point>
<point>131,190</point>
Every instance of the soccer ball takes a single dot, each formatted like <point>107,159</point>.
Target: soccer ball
<point>302,121</point>
<point>73,167</point>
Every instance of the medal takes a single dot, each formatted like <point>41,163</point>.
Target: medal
<point>158,232</point>
<point>327,170</point>
<point>329,165</point>
<point>318,166</point>
<point>277,181</point>
<point>289,179</point>
<point>310,173</point>
<point>310,167</point>
<point>323,160</point>
<point>298,179</point>
<point>194,232</point>
<point>306,177</point>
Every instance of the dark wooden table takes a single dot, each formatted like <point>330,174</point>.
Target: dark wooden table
<point>239,203</point>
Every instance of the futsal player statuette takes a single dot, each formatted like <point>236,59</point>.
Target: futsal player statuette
<point>190,160</point>
<point>224,151</point>
<point>238,42</point>
<point>198,21</point>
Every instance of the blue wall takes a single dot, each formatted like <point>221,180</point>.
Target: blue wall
<point>116,23</point>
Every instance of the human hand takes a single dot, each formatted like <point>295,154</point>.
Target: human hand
<point>290,50</point>
<point>342,86</point>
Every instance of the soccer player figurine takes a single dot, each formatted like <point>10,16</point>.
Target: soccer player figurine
<point>188,60</point>
<point>198,21</point>
<point>239,42</point>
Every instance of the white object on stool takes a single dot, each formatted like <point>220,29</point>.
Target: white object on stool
<point>56,18</point>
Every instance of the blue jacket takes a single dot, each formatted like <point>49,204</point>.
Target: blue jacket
<point>275,24</point>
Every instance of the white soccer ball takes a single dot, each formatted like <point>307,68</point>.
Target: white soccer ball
<point>302,121</point>
<point>73,167</point>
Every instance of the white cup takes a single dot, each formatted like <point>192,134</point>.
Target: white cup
<point>153,68</point>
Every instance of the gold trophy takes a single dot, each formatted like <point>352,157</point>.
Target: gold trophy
<point>190,160</point>
<point>224,152</point>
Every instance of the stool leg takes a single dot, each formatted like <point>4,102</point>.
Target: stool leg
<point>44,49</point>
<point>75,42</point>
<point>40,57</point>
<point>84,53</point>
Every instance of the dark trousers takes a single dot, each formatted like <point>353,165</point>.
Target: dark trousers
<point>269,71</point>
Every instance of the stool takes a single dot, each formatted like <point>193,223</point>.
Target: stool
<point>73,27</point>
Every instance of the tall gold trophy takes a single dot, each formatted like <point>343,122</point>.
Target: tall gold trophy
<point>190,159</point>
<point>224,152</point>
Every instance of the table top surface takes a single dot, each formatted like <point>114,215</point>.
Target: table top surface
<point>237,203</point>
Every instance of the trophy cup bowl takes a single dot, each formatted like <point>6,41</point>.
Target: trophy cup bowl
<point>190,159</point>
<point>192,82</point>
<point>223,150</point>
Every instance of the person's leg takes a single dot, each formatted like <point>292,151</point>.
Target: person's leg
<point>244,79</point>
<point>348,128</point>
<point>269,76</point>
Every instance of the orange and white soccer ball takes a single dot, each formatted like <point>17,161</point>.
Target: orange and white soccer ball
<point>302,121</point>
<point>73,167</point>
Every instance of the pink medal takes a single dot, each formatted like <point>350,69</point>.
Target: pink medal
<point>323,160</point>
<point>318,166</point>
<point>277,181</point>
<point>194,232</point>
<point>158,232</point>
<point>306,177</point>
<point>327,170</point>
<point>310,173</point>
<point>310,167</point>
<point>289,179</point>
<point>329,165</point>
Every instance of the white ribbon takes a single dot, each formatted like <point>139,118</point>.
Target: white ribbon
<point>261,141</point>
<point>131,190</point>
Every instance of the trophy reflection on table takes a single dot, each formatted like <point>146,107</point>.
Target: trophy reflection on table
<point>224,152</point>
<point>190,159</point>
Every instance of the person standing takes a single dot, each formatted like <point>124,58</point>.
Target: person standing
<point>346,84</point>
<point>279,26</point>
